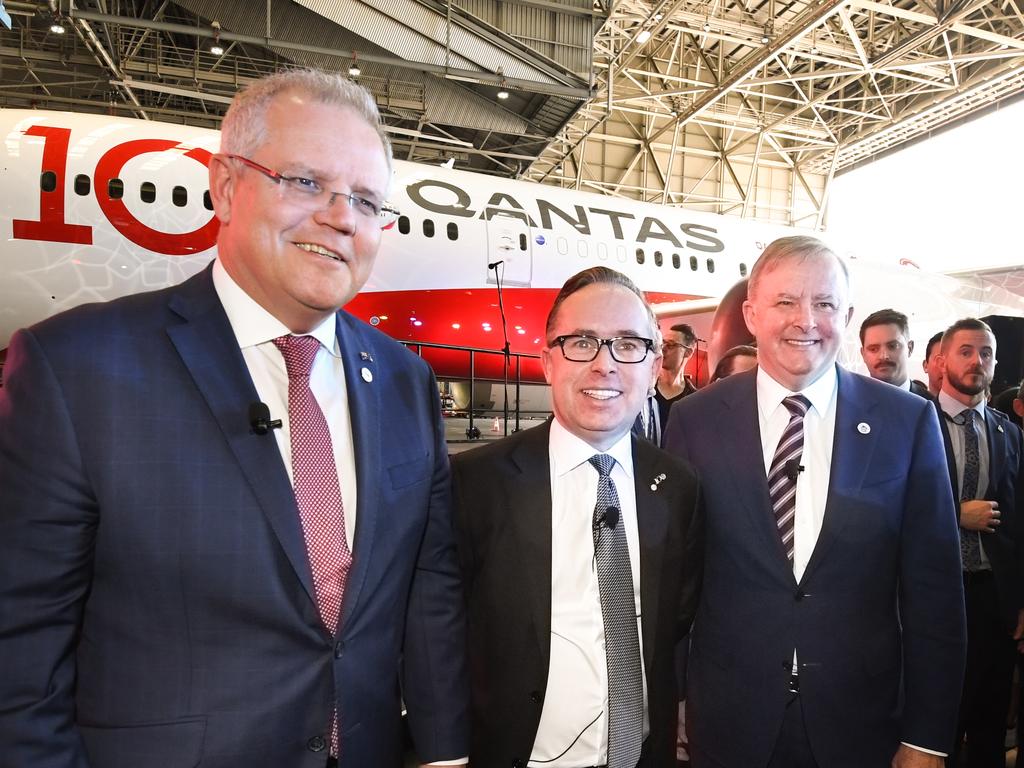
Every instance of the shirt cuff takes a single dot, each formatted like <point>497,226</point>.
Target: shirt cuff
<point>922,749</point>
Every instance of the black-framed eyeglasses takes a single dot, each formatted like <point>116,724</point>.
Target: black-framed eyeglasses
<point>312,196</point>
<point>668,346</point>
<point>583,349</point>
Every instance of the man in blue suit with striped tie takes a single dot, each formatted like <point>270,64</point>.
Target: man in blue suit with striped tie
<point>830,630</point>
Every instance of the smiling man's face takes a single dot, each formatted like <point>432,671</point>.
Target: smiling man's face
<point>797,313</point>
<point>598,401</point>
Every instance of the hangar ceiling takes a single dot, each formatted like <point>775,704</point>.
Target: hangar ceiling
<point>744,107</point>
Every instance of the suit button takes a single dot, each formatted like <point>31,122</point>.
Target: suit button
<point>800,595</point>
<point>316,744</point>
<point>517,763</point>
<point>339,648</point>
<point>535,697</point>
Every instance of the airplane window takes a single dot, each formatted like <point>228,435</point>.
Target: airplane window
<point>428,227</point>
<point>639,255</point>
<point>522,241</point>
<point>743,269</point>
<point>147,192</point>
<point>563,245</point>
<point>711,266</point>
<point>675,260</point>
<point>693,263</point>
<point>602,251</point>
<point>403,225</point>
<point>620,253</point>
<point>82,185</point>
<point>115,189</point>
<point>581,249</point>
<point>657,258</point>
<point>207,202</point>
<point>48,181</point>
<point>453,230</point>
<point>179,196</point>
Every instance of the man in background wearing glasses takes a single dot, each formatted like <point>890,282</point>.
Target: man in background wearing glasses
<point>186,580</point>
<point>672,384</point>
<point>581,549</point>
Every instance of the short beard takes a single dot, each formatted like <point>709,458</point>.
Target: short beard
<point>961,386</point>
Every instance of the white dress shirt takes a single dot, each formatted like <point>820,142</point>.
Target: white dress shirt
<point>953,408</point>
<point>576,699</point>
<point>255,328</point>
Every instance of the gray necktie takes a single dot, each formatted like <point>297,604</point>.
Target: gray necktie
<point>618,610</point>
<point>970,541</point>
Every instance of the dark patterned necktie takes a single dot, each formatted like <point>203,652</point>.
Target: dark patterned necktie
<point>782,475</point>
<point>970,541</point>
<point>618,611</point>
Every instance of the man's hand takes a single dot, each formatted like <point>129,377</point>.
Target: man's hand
<point>979,515</point>
<point>908,757</point>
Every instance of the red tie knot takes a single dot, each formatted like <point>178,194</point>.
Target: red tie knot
<point>299,353</point>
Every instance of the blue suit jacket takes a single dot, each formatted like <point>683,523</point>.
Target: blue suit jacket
<point>157,601</point>
<point>878,617</point>
<point>1005,547</point>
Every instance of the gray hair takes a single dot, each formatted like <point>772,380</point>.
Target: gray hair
<point>244,129</point>
<point>802,247</point>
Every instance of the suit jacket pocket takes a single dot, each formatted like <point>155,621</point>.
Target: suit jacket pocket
<point>410,472</point>
<point>177,744</point>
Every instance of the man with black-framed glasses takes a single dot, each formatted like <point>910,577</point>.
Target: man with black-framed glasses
<point>225,519</point>
<point>581,548</point>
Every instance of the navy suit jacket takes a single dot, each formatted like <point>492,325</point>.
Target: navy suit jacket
<point>503,518</point>
<point>877,619</point>
<point>157,601</point>
<point>1005,547</point>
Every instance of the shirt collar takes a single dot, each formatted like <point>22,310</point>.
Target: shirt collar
<point>254,325</point>
<point>569,451</point>
<point>953,407</point>
<point>821,392</point>
<point>905,386</point>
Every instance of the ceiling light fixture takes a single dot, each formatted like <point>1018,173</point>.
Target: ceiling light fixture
<point>707,25</point>
<point>766,35</point>
<point>56,25</point>
<point>502,89</point>
<point>643,37</point>
<point>353,68</point>
<point>215,47</point>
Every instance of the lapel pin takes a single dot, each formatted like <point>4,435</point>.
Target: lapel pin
<point>367,375</point>
<point>999,427</point>
<point>366,357</point>
<point>657,481</point>
<point>864,428</point>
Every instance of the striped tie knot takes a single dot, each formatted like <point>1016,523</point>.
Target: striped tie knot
<point>797,405</point>
<point>603,463</point>
<point>298,352</point>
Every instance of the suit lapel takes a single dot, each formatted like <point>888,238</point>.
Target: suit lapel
<point>364,406</point>
<point>947,443</point>
<point>853,446</point>
<point>209,350</point>
<point>996,450</point>
<point>652,514</point>
<point>527,487</point>
<point>743,456</point>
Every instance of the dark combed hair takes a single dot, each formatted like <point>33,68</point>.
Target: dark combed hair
<point>724,367</point>
<point>596,276</point>
<point>689,336</point>
<point>963,324</point>
<point>885,317</point>
<point>931,345</point>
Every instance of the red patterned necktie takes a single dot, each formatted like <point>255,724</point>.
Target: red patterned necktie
<point>317,493</point>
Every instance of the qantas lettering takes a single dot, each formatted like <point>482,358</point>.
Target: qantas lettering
<point>455,201</point>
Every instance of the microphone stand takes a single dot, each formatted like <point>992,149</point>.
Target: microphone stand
<point>504,331</point>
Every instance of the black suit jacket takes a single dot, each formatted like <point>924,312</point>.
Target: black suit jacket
<point>1005,547</point>
<point>877,618</point>
<point>919,389</point>
<point>503,518</point>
